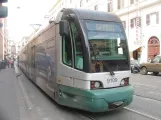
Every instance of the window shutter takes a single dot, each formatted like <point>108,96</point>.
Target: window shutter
<point>157,17</point>
<point>132,23</point>
<point>148,19</point>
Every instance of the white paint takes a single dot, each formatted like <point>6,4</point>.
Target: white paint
<point>136,86</point>
<point>46,119</point>
<point>141,113</point>
<point>155,93</point>
<point>139,84</point>
<point>26,98</point>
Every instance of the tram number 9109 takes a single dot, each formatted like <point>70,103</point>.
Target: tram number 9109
<point>111,80</point>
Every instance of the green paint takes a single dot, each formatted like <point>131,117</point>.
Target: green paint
<point>94,100</point>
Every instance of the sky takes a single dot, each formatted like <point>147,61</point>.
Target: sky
<point>23,13</point>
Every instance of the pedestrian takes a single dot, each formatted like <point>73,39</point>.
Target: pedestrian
<point>6,63</point>
<point>9,63</point>
<point>155,55</point>
<point>3,64</point>
<point>12,64</point>
<point>0,65</point>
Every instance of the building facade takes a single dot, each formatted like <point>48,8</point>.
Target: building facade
<point>141,20</point>
<point>21,44</point>
<point>11,49</point>
<point>3,38</point>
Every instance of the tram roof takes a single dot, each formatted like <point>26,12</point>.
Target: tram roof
<point>85,14</point>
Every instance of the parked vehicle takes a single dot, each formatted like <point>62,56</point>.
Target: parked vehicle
<point>153,66</point>
<point>135,66</point>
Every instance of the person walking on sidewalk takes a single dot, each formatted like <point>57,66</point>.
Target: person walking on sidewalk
<point>0,65</point>
<point>9,63</point>
<point>12,63</point>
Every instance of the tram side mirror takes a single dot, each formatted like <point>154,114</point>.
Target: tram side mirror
<point>3,11</point>
<point>63,28</point>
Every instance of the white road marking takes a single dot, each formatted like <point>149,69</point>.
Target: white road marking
<point>26,98</point>
<point>156,93</point>
<point>136,86</point>
<point>144,85</point>
<point>141,113</point>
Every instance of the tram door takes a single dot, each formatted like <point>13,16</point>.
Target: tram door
<point>33,64</point>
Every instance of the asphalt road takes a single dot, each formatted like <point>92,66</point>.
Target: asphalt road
<point>34,104</point>
<point>8,98</point>
<point>145,106</point>
<point>147,98</point>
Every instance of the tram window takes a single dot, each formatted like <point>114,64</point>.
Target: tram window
<point>78,51</point>
<point>67,50</point>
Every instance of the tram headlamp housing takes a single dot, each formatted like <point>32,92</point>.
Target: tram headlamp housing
<point>96,84</point>
<point>124,82</point>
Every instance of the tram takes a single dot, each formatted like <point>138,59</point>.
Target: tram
<point>81,60</point>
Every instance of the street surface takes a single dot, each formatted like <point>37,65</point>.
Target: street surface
<point>23,100</point>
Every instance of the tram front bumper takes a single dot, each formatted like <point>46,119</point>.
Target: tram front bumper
<point>95,100</point>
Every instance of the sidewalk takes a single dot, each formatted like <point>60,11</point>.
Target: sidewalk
<point>12,105</point>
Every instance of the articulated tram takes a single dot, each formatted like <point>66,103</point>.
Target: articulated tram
<point>81,60</point>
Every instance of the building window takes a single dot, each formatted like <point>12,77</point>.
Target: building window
<point>148,19</point>
<point>124,24</point>
<point>109,6</point>
<point>122,3</point>
<point>135,22</point>
<point>81,3</point>
<point>118,4</point>
<point>132,21</point>
<point>96,7</point>
<point>157,17</point>
<point>152,18</point>
<point>131,1</point>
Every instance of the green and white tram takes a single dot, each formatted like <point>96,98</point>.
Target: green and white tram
<point>81,60</point>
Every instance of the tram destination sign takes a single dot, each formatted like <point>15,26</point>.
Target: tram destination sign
<point>103,26</point>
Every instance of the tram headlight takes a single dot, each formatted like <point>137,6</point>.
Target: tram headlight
<point>95,84</point>
<point>124,82</point>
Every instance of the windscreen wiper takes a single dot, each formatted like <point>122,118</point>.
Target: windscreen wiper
<point>107,67</point>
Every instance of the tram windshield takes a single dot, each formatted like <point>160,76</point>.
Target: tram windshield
<point>108,46</point>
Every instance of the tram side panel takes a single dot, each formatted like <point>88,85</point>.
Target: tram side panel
<point>45,61</point>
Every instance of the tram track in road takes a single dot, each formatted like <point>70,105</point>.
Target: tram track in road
<point>84,116</point>
<point>150,98</point>
<point>149,87</point>
<point>141,113</point>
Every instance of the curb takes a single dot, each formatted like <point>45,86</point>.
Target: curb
<point>23,111</point>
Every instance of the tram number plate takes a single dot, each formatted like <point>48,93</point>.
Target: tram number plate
<point>111,80</point>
